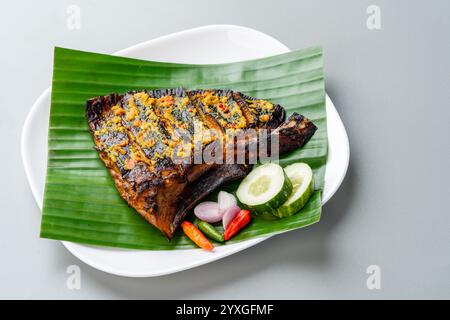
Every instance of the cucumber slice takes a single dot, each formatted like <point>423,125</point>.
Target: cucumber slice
<point>301,177</point>
<point>265,188</point>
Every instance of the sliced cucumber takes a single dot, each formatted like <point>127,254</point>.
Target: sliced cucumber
<point>301,177</point>
<point>265,188</point>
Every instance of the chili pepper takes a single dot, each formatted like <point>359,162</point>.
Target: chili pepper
<point>240,221</point>
<point>196,236</point>
<point>210,231</point>
<point>223,107</point>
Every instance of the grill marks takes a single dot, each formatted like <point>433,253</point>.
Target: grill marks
<point>149,134</point>
<point>220,106</point>
<point>262,113</point>
<point>112,139</point>
<point>138,135</point>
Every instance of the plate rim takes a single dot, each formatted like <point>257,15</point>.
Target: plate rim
<point>72,247</point>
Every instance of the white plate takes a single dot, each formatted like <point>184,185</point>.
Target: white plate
<point>209,44</point>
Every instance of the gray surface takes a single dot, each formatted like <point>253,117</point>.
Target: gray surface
<point>391,87</point>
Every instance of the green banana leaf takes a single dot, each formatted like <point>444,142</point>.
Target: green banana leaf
<point>81,203</point>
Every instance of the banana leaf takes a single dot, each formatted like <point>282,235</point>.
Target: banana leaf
<point>81,203</point>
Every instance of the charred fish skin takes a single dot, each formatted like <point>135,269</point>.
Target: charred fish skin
<point>294,133</point>
<point>291,135</point>
<point>143,170</point>
<point>136,134</point>
<point>110,137</point>
<point>206,184</point>
<point>235,110</point>
<point>220,109</point>
<point>137,185</point>
<point>261,113</point>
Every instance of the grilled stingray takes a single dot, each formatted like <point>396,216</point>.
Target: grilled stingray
<point>147,140</point>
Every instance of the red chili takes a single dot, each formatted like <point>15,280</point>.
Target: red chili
<point>196,235</point>
<point>223,107</point>
<point>239,222</point>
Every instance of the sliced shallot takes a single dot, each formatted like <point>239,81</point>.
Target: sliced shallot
<point>229,215</point>
<point>208,211</point>
<point>226,200</point>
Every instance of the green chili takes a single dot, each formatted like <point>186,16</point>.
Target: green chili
<point>210,231</point>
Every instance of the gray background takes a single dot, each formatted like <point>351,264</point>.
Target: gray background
<point>391,88</point>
